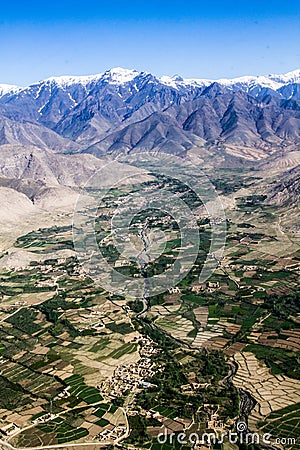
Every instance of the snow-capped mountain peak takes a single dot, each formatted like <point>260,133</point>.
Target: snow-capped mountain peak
<point>177,81</point>
<point>113,76</point>
<point>250,82</point>
<point>273,82</point>
<point>289,77</point>
<point>8,89</point>
<point>68,80</point>
<point>121,76</point>
<point>118,75</point>
<point>123,109</point>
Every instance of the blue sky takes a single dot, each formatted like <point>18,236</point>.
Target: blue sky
<point>209,39</point>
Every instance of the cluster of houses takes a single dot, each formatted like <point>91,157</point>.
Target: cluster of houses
<point>45,418</point>
<point>147,347</point>
<point>132,376</point>
<point>209,286</point>
<point>214,422</point>
<point>111,433</point>
<point>248,268</point>
<point>128,377</point>
<point>64,394</point>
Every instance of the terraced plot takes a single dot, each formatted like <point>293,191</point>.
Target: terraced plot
<point>270,391</point>
<point>284,423</point>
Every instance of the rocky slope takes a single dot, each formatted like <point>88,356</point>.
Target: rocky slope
<point>125,110</point>
<point>56,133</point>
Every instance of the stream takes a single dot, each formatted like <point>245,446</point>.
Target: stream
<point>247,402</point>
<point>142,260</point>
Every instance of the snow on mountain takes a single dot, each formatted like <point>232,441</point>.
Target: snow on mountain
<point>117,76</point>
<point>8,89</point>
<point>112,76</point>
<point>274,82</point>
<point>177,81</point>
<point>120,76</point>
<point>250,82</point>
<point>123,108</point>
<point>68,80</point>
<point>289,77</point>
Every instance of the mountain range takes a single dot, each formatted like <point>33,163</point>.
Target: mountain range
<point>123,111</point>
<point>56,133</point>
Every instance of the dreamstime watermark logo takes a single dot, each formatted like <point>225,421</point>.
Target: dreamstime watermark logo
<point>241,426</point>
<point>241,436</point>
<point>99,200</point>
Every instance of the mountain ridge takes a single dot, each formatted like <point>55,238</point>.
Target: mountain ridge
<point>121,76</point>
<point>124,110</point>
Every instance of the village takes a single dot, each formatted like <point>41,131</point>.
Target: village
<point>132,377</point>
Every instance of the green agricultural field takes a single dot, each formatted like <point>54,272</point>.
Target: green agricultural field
<point>123,350</point>
<point>122,328</point>
<point>279,360</point>
<point>284,423</point>
<point>167,412</point>
<point>69,336</point>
